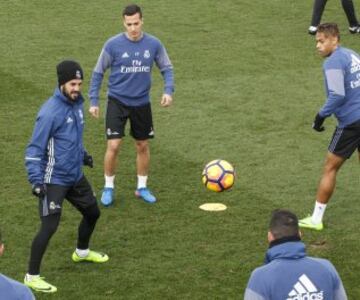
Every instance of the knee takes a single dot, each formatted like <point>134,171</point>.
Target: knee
<point>113,146</point>
<point>331,166</point>
<point>50,224</point>
<point>92,214</point>
<point>142,146</point>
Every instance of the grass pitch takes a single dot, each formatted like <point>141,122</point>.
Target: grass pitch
<point>248,84</point>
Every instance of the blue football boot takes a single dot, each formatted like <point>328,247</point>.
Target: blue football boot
<point>107,197</point>
<point>145,194</point>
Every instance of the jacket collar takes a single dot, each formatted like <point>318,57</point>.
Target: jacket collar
<point>286,250</point>
<point>294,238</point>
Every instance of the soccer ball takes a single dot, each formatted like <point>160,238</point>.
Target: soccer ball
<point>218,175</point>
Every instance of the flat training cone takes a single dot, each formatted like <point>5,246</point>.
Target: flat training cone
<point>213,206</point>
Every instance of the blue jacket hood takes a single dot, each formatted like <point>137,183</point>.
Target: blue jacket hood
<point>288,250</point>
<point>290,274</point>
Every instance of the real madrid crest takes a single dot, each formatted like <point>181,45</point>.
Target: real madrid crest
<point>146,54</point>
<point>78,74</point>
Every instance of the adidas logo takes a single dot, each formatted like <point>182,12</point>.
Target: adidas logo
<point>69,120</point>
<point>304,289</point>
<point>355,64</point>
<point>125,55</point>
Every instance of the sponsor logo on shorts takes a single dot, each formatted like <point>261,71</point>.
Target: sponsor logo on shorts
<point>110,132</point>
<point>151,133</point>
<point>53,206</point>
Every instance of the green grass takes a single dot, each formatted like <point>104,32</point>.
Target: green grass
<point>248,84</point>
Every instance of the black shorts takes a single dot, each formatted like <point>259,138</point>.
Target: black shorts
<point>80,195</point>
<point>346,140</point>
<point>117,114</point>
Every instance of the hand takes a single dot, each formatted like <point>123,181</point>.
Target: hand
<point>317,125</point>
<point>166,100</point>
<point>39,190</point>
<point>94,111</point>
<point>88,160</point>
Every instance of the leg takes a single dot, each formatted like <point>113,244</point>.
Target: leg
<point>110,159</point>
<point>142,130</point>
<point>349,10</point>
<point>142,157</point>
<point>116,117</point>
<point>328,180</point>
<point>48,227</point>
<point>326,188</point>
<point>318,9</point>
<point>142,167</point>
<point>87,225</point>
<point>110,162</point>
<point>343,144</point>
<point>82,198</point>
<point>50,212</point>
<point>50,218</point>
<point>32,279</point>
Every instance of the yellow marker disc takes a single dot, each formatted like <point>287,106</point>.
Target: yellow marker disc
<point>213,206</point>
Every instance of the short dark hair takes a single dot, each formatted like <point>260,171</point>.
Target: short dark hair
<point>283,223</point>
<point>131,10</point>
<point>329,29</point>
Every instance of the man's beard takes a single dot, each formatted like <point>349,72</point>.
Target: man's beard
<point>69,95</point>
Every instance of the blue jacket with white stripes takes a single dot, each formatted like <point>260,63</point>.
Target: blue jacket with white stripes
<point>55,153</point>
<point>291,275</point>
<point>14,290</point>
<point>342,84</point>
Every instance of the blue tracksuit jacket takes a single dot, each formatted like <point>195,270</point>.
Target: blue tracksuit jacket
<point>55,153</point>
<point>13,290</point>
<point>130,64</point>
<point>291,275</point>
<point>342,84</point>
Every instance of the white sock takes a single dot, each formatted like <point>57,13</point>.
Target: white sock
<point>141,181</point>
<point>109,181</point>
<point>31,277</point>
<point>318,213</point>
<point>82,253</point>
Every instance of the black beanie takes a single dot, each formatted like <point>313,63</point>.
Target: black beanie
<point>68,70</point>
